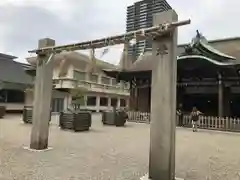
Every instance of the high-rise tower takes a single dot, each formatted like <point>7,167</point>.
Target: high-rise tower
<point>140,15</point>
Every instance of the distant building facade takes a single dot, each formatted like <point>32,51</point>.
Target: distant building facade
<point>100,92</point>
<point>13,82</point>
<point>140,15</point>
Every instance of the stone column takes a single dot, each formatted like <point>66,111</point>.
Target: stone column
<point>99,79</point>
<point>42,98</point>
<point>111,81</point>
<point>220,95</point>
<point>127,102</point>
<point>109,101</point>
<point>118,102</point>
<point>69,100</point>
<point>98,103</point>
<point>163,102</point>
<point>88,76</point>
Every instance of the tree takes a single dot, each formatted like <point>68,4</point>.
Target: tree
<point>77,98</point>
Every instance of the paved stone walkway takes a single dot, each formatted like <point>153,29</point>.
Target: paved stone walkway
<point>113,153</point>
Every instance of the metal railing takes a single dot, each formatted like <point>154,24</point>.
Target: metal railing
<point>90,86</point>
<point>205,122</point>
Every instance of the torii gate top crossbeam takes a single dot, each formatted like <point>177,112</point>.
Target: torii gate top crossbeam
<point>140,34</point>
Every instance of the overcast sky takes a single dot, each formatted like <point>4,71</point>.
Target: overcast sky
<point>23,22</point>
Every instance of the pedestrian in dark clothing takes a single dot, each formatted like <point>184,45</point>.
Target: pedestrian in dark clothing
<point>180,115</point>
<point>195,117</point>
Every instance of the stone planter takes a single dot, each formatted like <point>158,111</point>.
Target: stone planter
<point>28,114</point>
<point>2,111</point>
<point>77,121</point>
<point>114,118</point>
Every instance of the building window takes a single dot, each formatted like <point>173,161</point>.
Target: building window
<point>94,78</point>
<point>79,75</point>
<point>3,96</point>
<point>114,82</point>
<point>114,102</point>
<point>79,100</point>
<point>57,104</point>
<point>103,101</point>
<point>122,102</point>
<point>91,100</point>
<point>126,85</point>
<point>105,80</point>
<point>15,96</point>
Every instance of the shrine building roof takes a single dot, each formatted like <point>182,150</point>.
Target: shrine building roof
<point>199,54</point>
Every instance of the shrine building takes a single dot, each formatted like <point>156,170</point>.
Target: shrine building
<point>207,77</point>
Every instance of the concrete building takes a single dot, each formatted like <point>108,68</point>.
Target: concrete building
<point>13,82</point>
<point>140,15</point>
<point>100,92</point>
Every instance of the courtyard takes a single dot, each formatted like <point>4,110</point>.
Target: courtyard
<point>113,153</point>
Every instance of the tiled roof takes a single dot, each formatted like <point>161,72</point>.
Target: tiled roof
<point>12,71</point>
<point>81,57</point>
<point>7,56</point>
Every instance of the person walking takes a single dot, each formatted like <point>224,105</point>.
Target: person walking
<point>180,115</point>
<point>195,117</point>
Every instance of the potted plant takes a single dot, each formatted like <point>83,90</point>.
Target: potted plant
<point>115,117</point>
<point>75,118</point>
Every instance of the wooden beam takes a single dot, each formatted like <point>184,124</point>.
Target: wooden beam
<point>161,29</point>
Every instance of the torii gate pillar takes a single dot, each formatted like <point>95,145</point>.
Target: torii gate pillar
<point>163,102</point>
<point>42,98</point>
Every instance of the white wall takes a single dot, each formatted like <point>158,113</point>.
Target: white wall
<point>55,94</point>
<point>13,106</point>
<point>56,70</point>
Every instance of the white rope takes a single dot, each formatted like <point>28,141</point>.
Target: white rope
<point>50,58</point>
<point>107,49</point>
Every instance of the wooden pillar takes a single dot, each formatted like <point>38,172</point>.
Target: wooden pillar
<point>149,99</point>
<point>180,95</point>
<point>163,102</point>
<point>227,101</point>
<point>132,98</point>
<point>220,95</point>
<point>124,58</point>
<point>42,98</point>
<point>136,96</point>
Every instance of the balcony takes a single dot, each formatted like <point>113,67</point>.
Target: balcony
<point>67,83</point>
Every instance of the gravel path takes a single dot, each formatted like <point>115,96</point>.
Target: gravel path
<point>113,153</point>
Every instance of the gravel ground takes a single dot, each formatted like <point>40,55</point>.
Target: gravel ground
<point>106,153</point>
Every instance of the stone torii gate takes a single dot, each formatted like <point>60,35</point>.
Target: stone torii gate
<point>163,101</point>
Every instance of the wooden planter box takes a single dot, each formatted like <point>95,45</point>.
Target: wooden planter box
<point>2,111</point>
<point>79,121</point>
<point>28,114</point>
<point>114,118</point>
